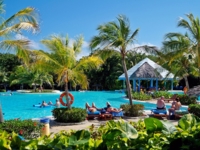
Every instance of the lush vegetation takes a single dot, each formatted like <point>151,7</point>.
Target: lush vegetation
<point>69,115</point>
<point>132,110</point>
<point>194,109</point>
<point>166,94</point>
<point>27,128</point>
<point>187,100</point>
<point>141,96</point>
<point>146,134</point>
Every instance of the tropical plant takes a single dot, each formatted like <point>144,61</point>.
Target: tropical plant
<point>193,36</point>
<point>177,57</point>
<point>27,128</point>
<point>116,36</point>
<point>31,76</point>
<point>62,61</point>
<point>23,20</point>
<point>69,115</point>
<point>149,133</point>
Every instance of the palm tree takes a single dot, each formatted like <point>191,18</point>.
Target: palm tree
<point>193,28</point>
<point>25,19</point>
<point>176,55</point>
<point>31,76</point>
<point>116,36</point>
<point>62,61</point>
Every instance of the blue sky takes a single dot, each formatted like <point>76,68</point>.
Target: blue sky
<point>154,18</point>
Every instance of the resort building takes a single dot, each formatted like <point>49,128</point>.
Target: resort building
<point>149,71</point>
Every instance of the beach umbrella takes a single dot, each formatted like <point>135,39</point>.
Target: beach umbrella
<point>1,115</point>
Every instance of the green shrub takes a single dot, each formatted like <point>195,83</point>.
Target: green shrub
<point>26,128</point>
<point>162,93</point>
<point>140,96</point>
<point>186,100</point>
<point>69,115</point>
<point>132,110</point>
<point>194,109</point>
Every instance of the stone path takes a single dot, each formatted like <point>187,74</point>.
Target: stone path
<point>56,127</point>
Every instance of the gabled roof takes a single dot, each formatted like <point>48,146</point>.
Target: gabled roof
<point>147,69</point>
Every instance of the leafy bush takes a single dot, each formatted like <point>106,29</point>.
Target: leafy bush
<point>194,109</point>
<point>26,128</point>
<point>150,133</point>
<point>162,93</point>
<point>132,110</point>
<point>69,115</point>
<point>187,100</point>
<point>141,96</point>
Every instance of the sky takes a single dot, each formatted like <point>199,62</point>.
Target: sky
<point>154,18</point>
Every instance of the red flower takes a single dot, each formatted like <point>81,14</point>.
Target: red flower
<point>43,128</point>
<point>20,132</point>
<point>35,123</point>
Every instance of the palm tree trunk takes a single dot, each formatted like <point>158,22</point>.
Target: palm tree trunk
<point>186,82</point>
<point>67,91</point>
<point>127,80</point>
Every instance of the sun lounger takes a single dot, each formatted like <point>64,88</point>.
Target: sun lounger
<point>92,115</point>
<point>180,113</point>
<point>159,112</point>
<point>117,114</point>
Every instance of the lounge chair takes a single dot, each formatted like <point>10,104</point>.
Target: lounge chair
<point>180,113</point>
<point>171,99</point>
<point>92,115</point>
<point>159,112</point>
<point>117,114</point>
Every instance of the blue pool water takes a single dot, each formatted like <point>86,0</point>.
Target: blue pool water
<point>20,105</point>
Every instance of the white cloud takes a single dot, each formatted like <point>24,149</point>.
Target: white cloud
<point>85,50</point>
<point>33,44</point>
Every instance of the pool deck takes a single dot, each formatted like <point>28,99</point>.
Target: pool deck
<point>55,128</point>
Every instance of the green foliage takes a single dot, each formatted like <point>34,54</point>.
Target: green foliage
<point>132,110</point>
<point>187,100</point>
<point>8,62</point>
<point>194,109</point>
<point>26,128</point>
<point>187,122</point>
<point>146,134</point>
<point>141,96</point>
<point>69,115</point>
<point>162,93</point>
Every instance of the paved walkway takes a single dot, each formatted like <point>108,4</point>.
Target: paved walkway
<point>55,128</point>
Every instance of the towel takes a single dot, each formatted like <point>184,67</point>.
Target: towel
<point>159,111</point>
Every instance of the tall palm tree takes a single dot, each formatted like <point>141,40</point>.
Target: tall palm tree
<point>116,36</point>
<point>176,55</point>
<point>23,20</point>
<point>193,28</point>
<point>62,61</point>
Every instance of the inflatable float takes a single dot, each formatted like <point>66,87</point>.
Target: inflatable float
<point>39,106</point>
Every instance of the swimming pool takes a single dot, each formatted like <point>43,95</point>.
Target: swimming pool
<point>20,105</point>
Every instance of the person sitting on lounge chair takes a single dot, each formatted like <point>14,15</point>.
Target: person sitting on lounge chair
<point>161,103</point>
<point>91,109</point>
<point>176,105</point>
<point>112,109</point>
